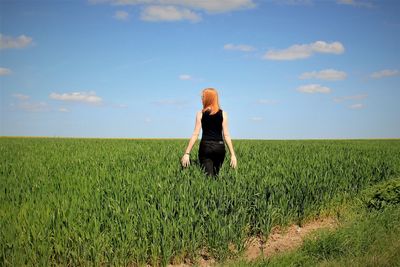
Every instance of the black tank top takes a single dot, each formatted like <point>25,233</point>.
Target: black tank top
<point>212,126</point>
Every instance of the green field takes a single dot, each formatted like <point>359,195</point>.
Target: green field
<point>368,235</point>
<point>121,202</point>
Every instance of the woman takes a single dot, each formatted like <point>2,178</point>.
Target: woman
<point>214,124</point>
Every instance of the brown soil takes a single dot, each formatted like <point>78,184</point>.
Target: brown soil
<point>279,240</point>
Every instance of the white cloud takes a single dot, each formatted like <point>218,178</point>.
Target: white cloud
<point>266,102</point>
<point>23,103</point>
<point>85,97</point>
<point>385,73</point>
<point>240,47</point>
<point>185,77</point>
<point>350,97</point>
<point>328,74</point>
<point>9,42</point>
<point>118,105</point>
<point>291,53</point>
<point>323,47</point>
<point>293,2</point>
<point>188,77</point>
<point>170,102</point>
<point>355,3</point>
<point>21,96</point>
<point>357,106</point>
<point>256,118</point>
<point>304,51</point>
<point>213,6</point>
<point>168,13</point>
<point>122,105</point>
<point>33,106</point>
<point>62,109</point>
<point>121,15</point>
<point>313,88</point>
<point>210,6</point>
<point>4,71</point>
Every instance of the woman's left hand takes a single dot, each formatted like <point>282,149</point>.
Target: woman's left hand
<point>185,160</point>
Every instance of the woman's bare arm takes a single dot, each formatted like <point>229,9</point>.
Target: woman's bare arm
<point>196,132</point>
<point>227,136</point>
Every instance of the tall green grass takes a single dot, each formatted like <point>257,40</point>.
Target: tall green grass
<point>119,202</point>
<point>368,240</point>
<point>368,235</point>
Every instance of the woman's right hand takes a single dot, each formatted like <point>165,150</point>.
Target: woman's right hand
<point>233,161</point>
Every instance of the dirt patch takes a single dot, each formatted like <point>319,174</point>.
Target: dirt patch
<point>279,240</point>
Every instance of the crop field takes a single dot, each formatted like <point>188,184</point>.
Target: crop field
<point>67,201</point>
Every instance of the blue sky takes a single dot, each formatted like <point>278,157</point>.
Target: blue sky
<point>287,69</point>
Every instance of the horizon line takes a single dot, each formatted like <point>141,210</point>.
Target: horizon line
<point>188,138</point>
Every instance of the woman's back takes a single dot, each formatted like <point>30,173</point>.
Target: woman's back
<point>212,126</point>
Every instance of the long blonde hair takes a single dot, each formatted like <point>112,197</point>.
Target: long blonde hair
<point>210,100</point>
